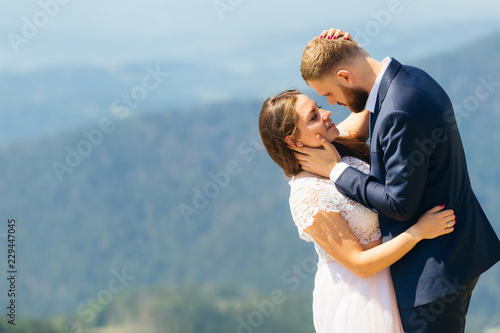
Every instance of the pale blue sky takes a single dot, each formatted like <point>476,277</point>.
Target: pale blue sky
<point>112,32</point>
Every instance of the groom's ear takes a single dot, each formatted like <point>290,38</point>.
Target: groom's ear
<point>345,77</point>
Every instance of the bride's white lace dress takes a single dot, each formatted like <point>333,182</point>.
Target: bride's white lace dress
<point>342,301</point>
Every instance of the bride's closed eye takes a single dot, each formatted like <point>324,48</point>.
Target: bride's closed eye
<point>316,115</point>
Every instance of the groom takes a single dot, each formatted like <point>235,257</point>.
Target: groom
<point>417,162</point>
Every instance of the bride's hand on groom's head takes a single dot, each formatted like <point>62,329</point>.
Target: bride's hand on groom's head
<point>334,33</point>
<point>317,160</point>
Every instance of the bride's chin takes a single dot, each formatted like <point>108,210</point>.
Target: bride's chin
<point>335,134</point>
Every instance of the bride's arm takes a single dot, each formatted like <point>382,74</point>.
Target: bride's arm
<point>357,125</point>
<point>333,234</point>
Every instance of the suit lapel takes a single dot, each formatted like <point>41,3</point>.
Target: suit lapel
<point>389,75</point>
<point>373,119</point>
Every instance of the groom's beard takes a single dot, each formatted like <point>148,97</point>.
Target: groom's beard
<point>355,98</point>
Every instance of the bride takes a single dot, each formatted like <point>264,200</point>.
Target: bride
<point>353,290</point>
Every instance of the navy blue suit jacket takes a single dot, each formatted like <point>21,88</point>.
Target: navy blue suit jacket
<point>418,162</point>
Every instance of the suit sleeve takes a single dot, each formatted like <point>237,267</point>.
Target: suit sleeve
<point>406,168</point>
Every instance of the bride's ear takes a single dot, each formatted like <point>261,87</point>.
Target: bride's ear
<point>293,143</point>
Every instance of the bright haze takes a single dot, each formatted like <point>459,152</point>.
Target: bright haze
<point>239,34</point>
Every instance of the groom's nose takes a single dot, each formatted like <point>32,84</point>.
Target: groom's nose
<point>331,100</point>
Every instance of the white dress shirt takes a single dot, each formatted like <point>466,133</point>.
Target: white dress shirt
<point>370,106</point>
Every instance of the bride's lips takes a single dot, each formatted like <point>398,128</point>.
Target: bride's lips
<point>331,126</point>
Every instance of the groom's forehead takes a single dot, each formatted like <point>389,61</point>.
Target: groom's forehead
<point>323,87</point>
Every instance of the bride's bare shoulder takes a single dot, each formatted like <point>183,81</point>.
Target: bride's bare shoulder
<point>307,174</point>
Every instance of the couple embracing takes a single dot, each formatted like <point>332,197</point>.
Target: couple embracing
<point>401,237</point>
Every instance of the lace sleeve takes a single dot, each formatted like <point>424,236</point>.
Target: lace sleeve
<point>308,196</point>
<point>343,131</point>
<point>357,163</point>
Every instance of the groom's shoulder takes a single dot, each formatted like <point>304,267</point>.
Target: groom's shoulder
<point>414,92</point>
<point>413,71</point>
<point>416,80</point>
<point>402,69</point>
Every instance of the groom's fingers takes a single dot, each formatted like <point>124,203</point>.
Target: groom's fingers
<point>302,150</point>
<point>328,146</point>
<point>303,160</point>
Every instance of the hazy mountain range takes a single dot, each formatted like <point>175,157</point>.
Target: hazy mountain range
<point>175,191</point>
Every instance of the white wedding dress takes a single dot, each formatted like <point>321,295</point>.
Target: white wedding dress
<point>342,301</point>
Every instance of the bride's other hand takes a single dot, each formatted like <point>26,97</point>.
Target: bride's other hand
<point>435,222</point>
<point>335,33</point>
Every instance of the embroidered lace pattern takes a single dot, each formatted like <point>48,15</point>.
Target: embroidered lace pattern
<point>342,132</point>
<point>309,195</point>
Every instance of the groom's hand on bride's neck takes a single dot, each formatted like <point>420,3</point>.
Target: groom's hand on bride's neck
<point>318,160</point>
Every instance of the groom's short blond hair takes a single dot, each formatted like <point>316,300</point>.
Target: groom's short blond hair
<point>323,56</point>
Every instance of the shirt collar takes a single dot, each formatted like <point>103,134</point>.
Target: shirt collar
<point>372,97</point>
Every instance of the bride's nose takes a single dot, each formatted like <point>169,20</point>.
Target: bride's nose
<point>326,114</point>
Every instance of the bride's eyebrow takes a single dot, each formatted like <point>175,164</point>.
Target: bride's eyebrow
<point>315,107</point>
<point>313,111</point>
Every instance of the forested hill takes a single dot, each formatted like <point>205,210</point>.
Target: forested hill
<point>85,209</point>
<point>189,197</point>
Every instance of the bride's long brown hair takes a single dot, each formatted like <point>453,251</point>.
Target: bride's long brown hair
<point>278,119</point>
